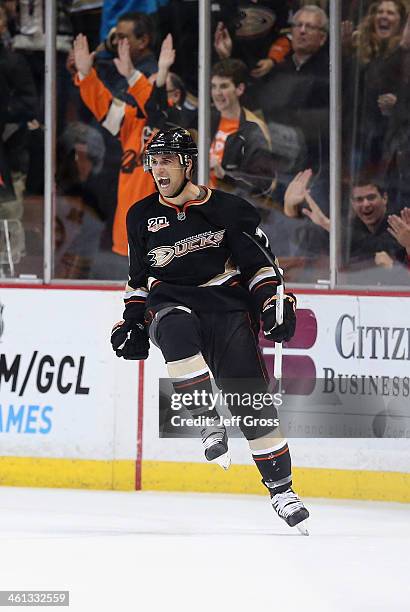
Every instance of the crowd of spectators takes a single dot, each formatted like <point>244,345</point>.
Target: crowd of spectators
<point>126,68</point>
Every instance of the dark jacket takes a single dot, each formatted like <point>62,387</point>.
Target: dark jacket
<point>396,141</point>
<point>364,124</point>
<point>364,245</point>
<point>298,97</point>
<point>247,158</point>
<point>18,100</point>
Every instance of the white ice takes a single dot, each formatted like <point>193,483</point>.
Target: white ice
<point>123,552</point>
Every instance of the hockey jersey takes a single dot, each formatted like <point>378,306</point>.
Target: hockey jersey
<point>129,125</point>
<point>196,255</point>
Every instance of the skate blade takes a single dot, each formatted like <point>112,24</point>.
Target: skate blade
<point>223,460</point>
<point>302,528</point>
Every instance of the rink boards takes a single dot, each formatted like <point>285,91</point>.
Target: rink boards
<point>73,415</point>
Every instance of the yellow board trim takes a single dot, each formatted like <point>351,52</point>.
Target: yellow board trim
<point>309,482</point>
<point>119,475</point>
<point>67,473</point>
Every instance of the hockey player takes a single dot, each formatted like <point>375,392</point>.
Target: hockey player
<point>199,287</point>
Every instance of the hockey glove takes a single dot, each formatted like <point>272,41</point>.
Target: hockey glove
<point>284,331</point>
<point>129,340</point>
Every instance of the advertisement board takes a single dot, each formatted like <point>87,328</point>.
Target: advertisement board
<point>63,393</point>
<point>72,414</point>
<point>343,342</point>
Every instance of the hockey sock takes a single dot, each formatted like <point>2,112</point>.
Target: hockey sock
<point>274,465</point>
<point>194,379</point>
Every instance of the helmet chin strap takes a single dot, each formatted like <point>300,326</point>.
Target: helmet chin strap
<point>181,187</point>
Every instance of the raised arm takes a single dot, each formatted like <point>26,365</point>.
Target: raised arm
<point>93,92</point>
<point>139,86</point>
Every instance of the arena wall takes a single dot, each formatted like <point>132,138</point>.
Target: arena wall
<point>73,415</point>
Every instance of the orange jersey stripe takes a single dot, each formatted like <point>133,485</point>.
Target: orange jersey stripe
<point>194,382</point>
<point>272,456</point>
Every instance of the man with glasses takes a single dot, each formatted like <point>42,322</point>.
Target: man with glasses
<point>309,33</point>
<point>296,97</point>
<point>138,29</point>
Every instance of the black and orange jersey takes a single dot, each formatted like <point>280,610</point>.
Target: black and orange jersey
<point>129,125</point>
<point>196,255</point>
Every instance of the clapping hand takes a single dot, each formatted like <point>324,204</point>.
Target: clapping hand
<point>315,213</point>
<point>123,62</point>
<point>399,228</point>
<point>167,53</point>
<point>82,57</point>
<point>222,41</point>
<point>295,193</point>
<point>165,60</point>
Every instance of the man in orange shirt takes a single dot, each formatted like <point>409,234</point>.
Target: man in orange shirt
<point>127,123</point>
<point>240,158</point>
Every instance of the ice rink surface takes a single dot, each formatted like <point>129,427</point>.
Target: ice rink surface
<point>123,552</point>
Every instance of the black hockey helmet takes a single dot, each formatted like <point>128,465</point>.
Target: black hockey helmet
<point>175,140</point>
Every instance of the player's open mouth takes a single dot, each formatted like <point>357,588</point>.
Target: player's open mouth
<point>164,182</point>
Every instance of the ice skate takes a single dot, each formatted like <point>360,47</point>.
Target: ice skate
<point>290,508</point>
<point>215,442</point>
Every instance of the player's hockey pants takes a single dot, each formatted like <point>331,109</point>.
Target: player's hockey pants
<point>229,346</point>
